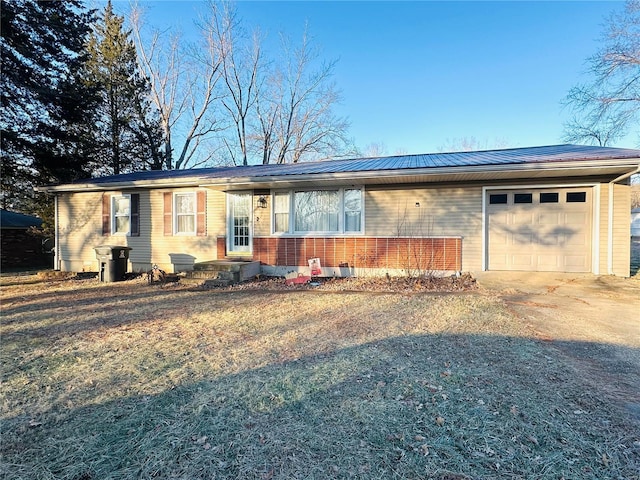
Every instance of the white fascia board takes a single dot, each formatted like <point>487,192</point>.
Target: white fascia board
<point>103,187</point>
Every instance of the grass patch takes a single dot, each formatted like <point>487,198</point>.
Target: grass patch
<point>126,380</point>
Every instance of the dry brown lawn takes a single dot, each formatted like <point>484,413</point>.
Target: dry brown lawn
<point>127,380</point>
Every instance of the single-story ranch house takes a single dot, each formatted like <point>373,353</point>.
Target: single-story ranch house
<point>561,208</point>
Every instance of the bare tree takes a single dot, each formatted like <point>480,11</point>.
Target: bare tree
<point>183,88</point>
<point>267,110</point>
<point>280,112</point>
<point>241,66</point>
<point>374,149</point>
<point>607,107</point>
<point>469,144</point>
<point>595,128</point>
<point>295,110</point>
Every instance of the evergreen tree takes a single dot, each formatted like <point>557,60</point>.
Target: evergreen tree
<point>45,105</point>
<point>126,133</point>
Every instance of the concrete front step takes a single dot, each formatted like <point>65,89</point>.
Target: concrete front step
<point>222,272</point>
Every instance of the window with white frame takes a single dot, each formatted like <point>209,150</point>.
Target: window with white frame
<point>352,210</point>
<point>184,220</point>
<point>281,212</point>
<point>121,214</point>
<point>318,211</point>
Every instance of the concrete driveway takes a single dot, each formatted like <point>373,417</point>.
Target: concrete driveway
<point>594,321</point>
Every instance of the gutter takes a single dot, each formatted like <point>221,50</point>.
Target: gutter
<point>610,217</point>
<point>56,236</point>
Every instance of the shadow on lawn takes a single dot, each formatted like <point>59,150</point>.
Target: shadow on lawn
<point>429,406</point>
<point>111,306</point>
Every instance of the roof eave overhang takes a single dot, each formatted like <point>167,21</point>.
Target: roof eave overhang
<point>609,167</point>
<point>429,175</point>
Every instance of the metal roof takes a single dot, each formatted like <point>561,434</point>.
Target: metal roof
<point>457,162</point>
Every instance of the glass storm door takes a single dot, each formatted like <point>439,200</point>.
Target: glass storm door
<point>239,222</point>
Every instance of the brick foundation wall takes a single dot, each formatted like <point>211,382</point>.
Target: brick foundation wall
<point>359,252</point>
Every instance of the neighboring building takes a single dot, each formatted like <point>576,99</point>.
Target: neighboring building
<point>20,247</point>
<point>555,208</point>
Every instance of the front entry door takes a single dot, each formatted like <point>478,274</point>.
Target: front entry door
<point>239,226</point>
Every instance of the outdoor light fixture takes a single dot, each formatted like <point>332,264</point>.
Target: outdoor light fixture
<point>417,204</point>
<point>262,201</point>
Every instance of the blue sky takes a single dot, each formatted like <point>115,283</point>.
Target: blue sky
<point>415,76</point>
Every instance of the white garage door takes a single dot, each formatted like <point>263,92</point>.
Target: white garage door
<point>544,230</point>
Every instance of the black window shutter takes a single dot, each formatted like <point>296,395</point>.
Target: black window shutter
<point>135,214</point>
<point>106,214</point>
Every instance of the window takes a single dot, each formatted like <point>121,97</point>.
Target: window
<point>576,197</point>
<point>185,213</point>
<point>281,212</point>
<point>352,210</point>
<point>121,214</point>
<point>319,211</point>
<point>551,197</point>
<point>523,198</point>
<point>498,199</point>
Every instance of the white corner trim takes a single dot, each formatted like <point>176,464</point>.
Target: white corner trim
<point>56,235</point>
<point>610,217</point>
<point>485,232</point>
<point>610,231</point>
<point>597,191</point>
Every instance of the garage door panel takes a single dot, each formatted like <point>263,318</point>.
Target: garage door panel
<point>499,261</point>
<point>578,240</point>
<point>576,218</point>
<point>547,235</point>
<point>499,238</point>
<point>549,218</point>
<point>550,262</point>
<point>523,218</point>
<point>552,239</point>
<point>522,260</point>
<point>575,261</point>
<point>521,238</point>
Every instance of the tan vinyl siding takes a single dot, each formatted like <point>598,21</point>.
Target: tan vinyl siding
<point>621,230</point>
<point>81,230</point>
<point>180,252</point>
<point>261,216</point>
<point>602,228</point>
<point>444,211</point>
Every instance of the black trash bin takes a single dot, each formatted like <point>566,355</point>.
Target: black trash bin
<point>112,262</point>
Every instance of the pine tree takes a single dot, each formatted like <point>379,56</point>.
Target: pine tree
<point>44,102</point>
<point>126,133</point>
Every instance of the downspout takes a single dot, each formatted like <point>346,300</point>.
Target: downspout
<point>56,236</point>
<point>610,218</point>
